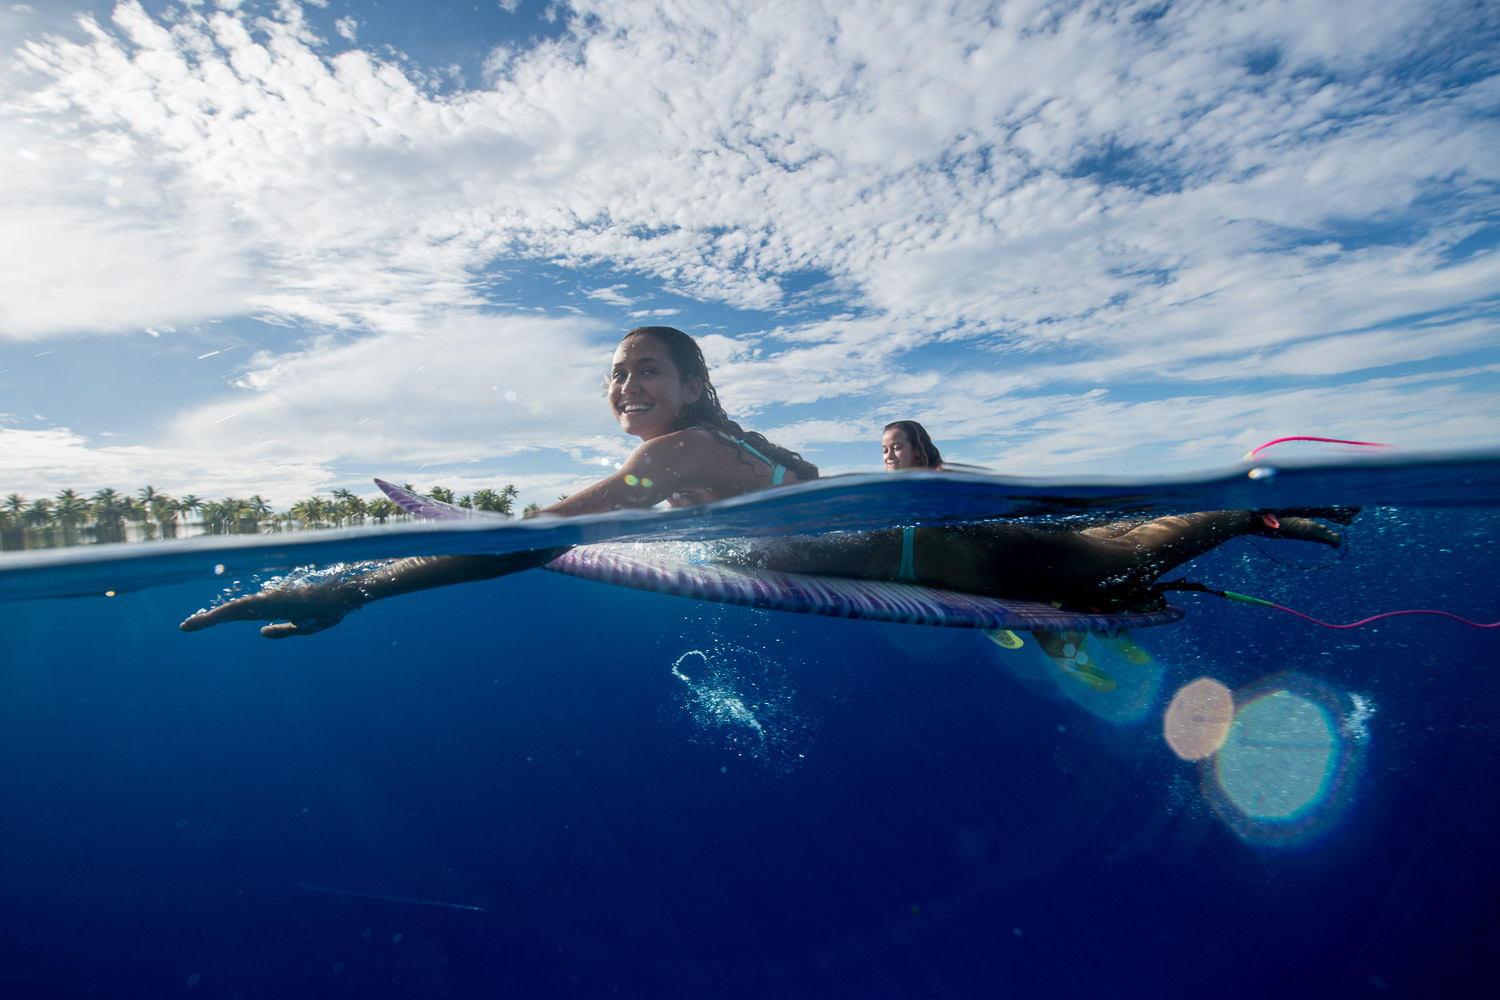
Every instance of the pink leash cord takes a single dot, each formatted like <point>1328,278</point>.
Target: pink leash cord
<point>1386,614</point>
<point>1362,444</point>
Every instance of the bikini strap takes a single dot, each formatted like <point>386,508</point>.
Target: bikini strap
<point>778,471</point>
<point>908,571</point>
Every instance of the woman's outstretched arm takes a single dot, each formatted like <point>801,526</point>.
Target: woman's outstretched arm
<point>313,604</point>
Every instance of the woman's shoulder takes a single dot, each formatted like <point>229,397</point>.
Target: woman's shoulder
<point>693,446</point>
<point>689,438</point>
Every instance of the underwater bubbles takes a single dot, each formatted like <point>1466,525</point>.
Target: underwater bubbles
<point>1276,759</point>
<point>739,699</point>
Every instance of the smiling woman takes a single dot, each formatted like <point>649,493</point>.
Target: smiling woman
<point>907,445</point>
<point>690,453</point>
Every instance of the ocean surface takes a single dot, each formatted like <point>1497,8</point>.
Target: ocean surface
<point>540,786</point>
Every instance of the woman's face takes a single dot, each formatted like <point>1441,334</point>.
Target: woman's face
<point>898,451</point>
<point>646,392</point>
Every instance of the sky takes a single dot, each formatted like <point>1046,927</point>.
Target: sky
<point>280,247</point>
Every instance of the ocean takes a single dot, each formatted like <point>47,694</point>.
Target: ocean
<point>540,786</point>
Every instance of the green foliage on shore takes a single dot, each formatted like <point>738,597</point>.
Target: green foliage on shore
<point>71,518</point>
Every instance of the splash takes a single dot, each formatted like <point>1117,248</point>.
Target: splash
<point>716,702</point>
<point>738,699</point>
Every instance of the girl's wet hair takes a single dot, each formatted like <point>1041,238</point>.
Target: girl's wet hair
<point>918,436</point>
<point>707,412</point>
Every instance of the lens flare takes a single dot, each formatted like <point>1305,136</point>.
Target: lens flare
<point>1198,719</point>
<point>1285,767</point>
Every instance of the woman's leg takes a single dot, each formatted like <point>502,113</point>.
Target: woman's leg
<point>1025,561</point>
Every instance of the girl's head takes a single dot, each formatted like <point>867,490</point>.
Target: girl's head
<point>658,383</point>
<point>695,405</point>
<point>907,445</point>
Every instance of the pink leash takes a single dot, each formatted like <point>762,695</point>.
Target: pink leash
<point>1230,595</point>
<point>1362,444</point>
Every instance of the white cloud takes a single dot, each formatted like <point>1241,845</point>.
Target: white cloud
<point>1075,196</point>
<point>610,296</point>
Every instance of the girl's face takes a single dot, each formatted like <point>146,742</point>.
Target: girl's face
<point>898,451</point>
<point>646,391</point>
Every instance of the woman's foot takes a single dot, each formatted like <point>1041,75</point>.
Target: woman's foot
<point>1338,515</point>
<point>1297,523</point>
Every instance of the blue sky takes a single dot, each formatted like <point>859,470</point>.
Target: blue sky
<point>277,248</point>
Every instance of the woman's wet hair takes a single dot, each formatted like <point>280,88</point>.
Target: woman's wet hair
<point>707,411</point>
<point>920,439</point>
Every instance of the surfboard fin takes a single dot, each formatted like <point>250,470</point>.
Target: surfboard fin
<point>1004,638</point>
<point>1068,652</point>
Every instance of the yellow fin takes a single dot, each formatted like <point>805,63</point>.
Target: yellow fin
<point>1004,638</point>
<point>1090,675</point>
<point>1124,647</point>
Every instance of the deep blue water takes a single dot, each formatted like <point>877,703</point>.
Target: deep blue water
<point>540,786</point>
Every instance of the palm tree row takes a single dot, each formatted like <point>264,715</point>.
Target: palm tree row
<point>70,518</point>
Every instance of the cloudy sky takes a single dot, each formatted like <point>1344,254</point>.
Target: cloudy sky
<point>281,247</point>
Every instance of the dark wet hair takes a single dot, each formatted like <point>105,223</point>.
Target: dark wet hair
<point>918,436</point>
<point>707,411</point>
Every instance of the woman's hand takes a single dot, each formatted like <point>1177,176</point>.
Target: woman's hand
<point>317,599</point>
<point>311,607</point>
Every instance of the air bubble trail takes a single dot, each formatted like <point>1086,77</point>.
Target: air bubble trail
<point>387,897</point>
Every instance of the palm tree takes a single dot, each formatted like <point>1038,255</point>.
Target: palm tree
<point>347,507</point>
<point>189,503</point>
<point>11,536</point>
<point>164,512</point>
<point>72,509</point>
<point>229,516</point>
<point>213,517</point>
<point>108,508</point>
<point>14,503</point>
<point>531,508</point>
<point>499,502</point>
<point>311,512</point>
<point>107,504</point>
<point>441,493</point>
<point>239,515</point>
<point>381,508</point>
<point>39,514</point>
<point>258,506</point>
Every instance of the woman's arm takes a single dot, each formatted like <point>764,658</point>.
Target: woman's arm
<point>314,606</point>
<point>665,465</point>
<point>658,468</point>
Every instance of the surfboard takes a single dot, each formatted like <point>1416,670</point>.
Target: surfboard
<point>668,568</point>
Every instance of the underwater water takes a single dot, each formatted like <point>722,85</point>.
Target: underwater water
<point>544,786</point>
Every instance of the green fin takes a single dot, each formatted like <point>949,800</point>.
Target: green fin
<point>1125,647</point>
<point>1091,675</point>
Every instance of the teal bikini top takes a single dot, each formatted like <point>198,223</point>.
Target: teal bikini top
<point>778,471</point>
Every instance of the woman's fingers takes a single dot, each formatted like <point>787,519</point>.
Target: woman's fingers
<point>238,610</point>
